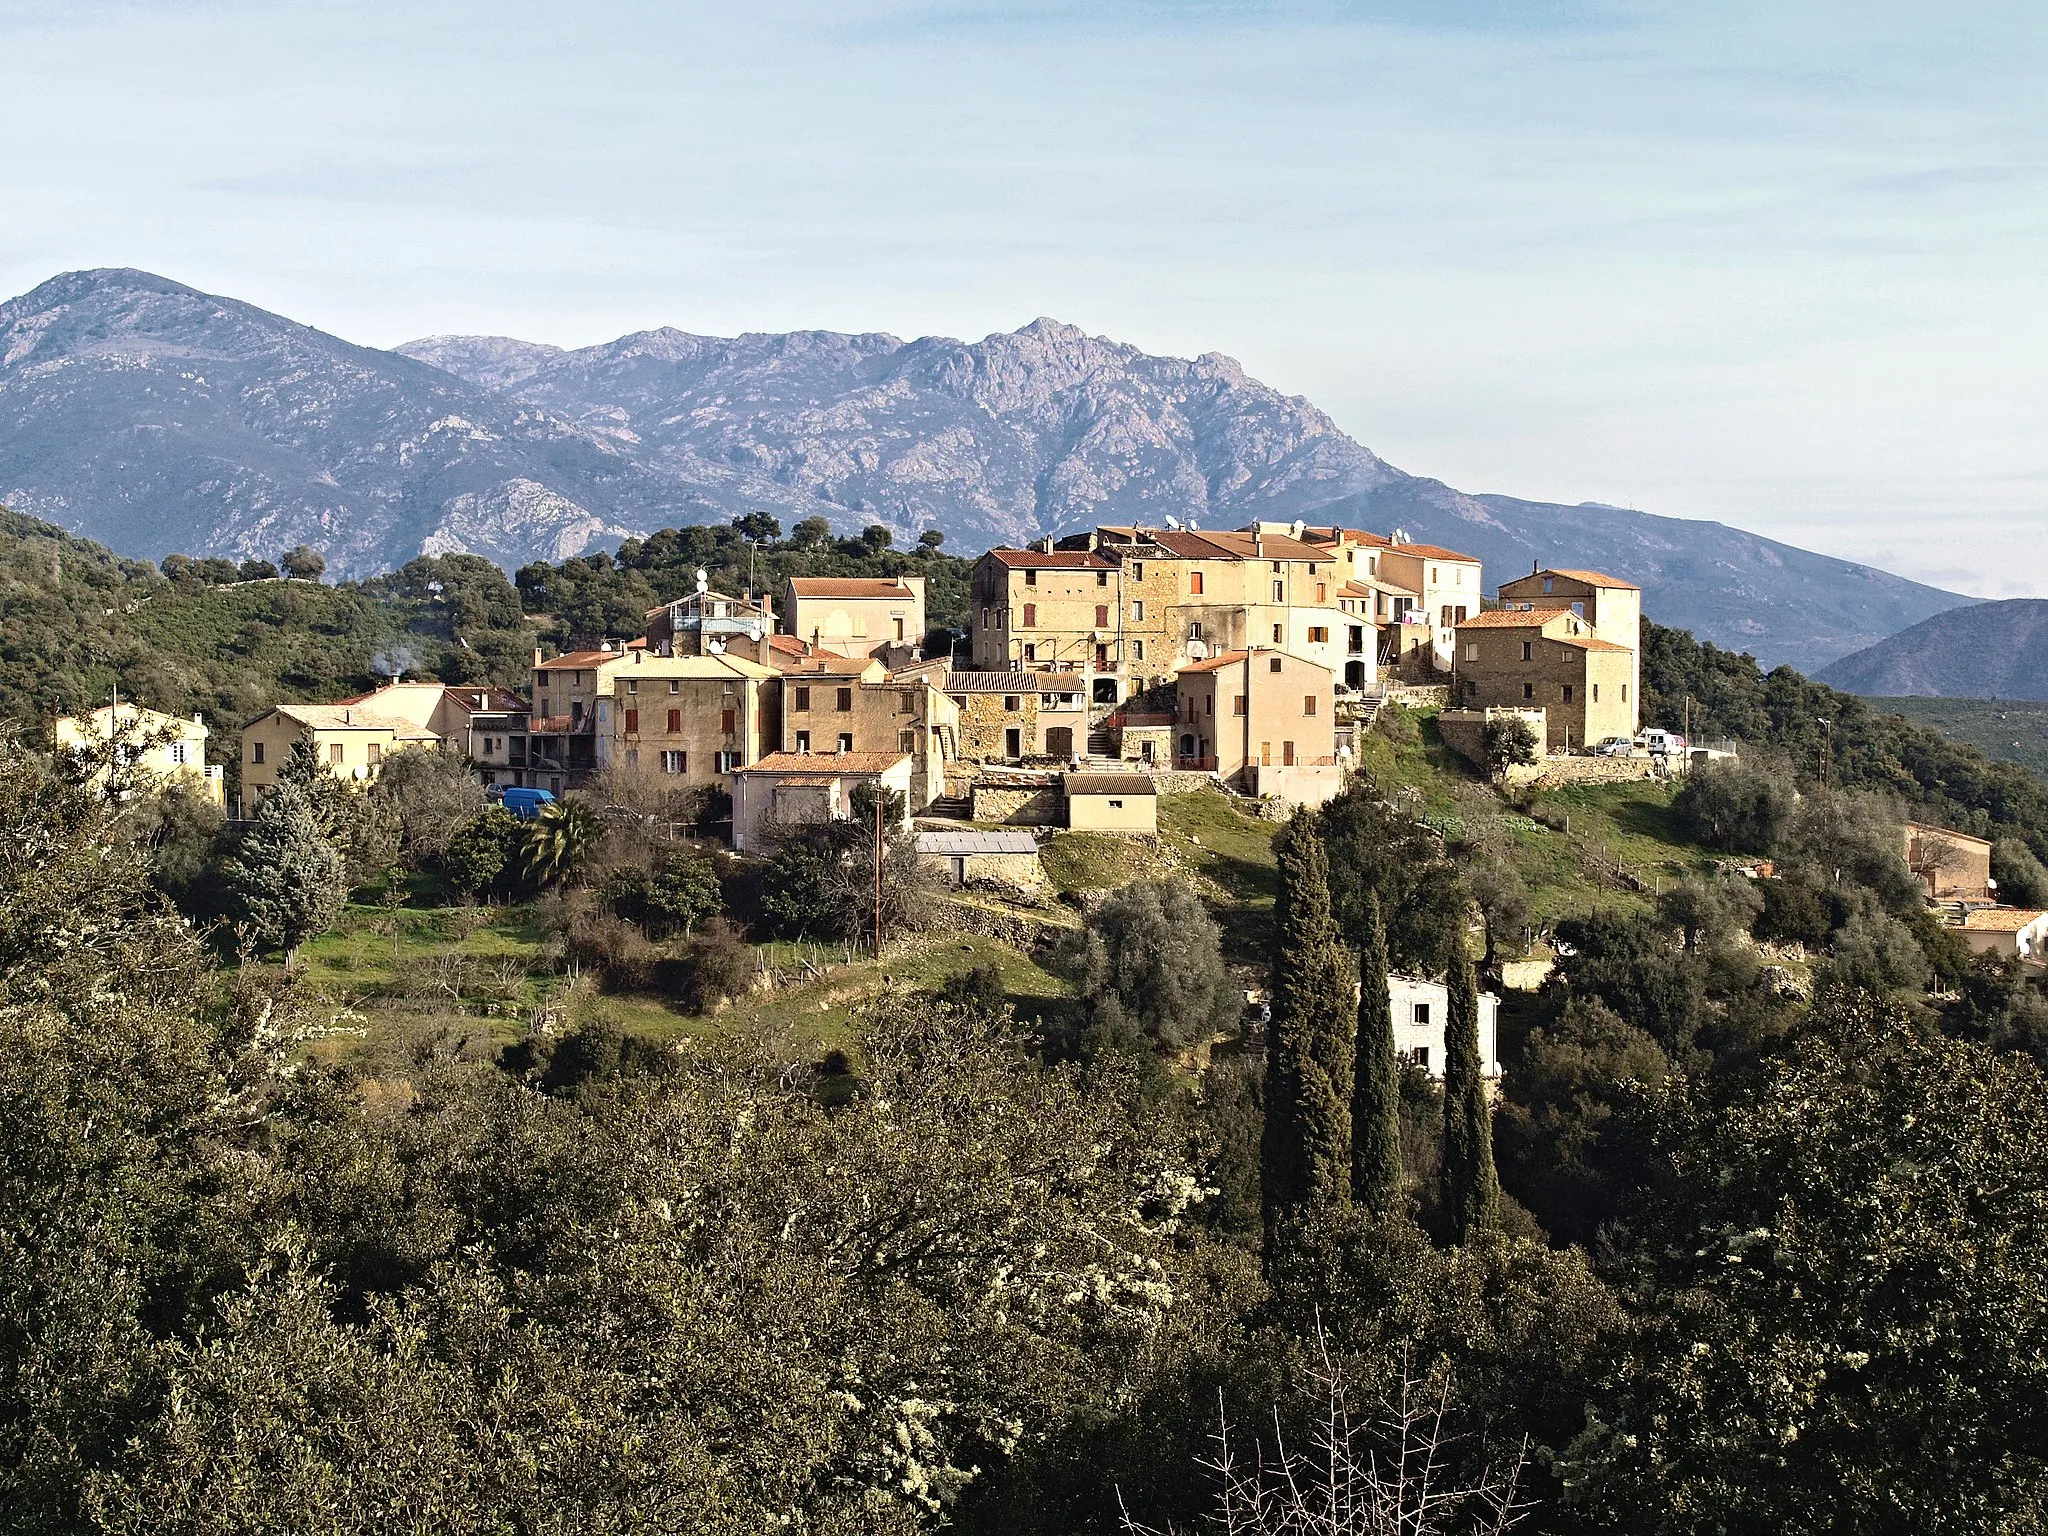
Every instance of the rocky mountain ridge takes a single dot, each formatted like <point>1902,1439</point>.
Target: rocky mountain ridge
<point>1985,651</point>
<point>154,417</point>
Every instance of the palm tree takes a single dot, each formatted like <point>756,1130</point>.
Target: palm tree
<point>558,841</point>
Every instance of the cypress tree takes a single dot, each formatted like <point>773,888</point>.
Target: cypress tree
<point>1468,1192</point>
<point>1376,1089</point>
<point>1305,1153</point>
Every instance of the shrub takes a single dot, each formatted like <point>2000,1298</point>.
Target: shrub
<point>1510,742</point>
<point>1735,807</point>
<point>1152,955</point>
<point>720,964</point>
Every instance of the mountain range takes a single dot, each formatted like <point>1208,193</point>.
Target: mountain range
<point>153,417</point>
<point>1985,651</point>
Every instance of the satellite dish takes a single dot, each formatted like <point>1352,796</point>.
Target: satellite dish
<point>362,770</point>
<point>703,581</point>
<point>1172,521</point>
<point>1299,527</point>
<point>716,647</point>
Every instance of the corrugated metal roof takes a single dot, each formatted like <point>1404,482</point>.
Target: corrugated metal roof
<point>953,845</point>
<point>1011,682</point>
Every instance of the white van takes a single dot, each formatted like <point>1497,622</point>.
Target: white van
<point>1662,743</point>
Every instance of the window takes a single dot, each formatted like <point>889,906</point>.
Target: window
<point>1102,615</point>
<point>1102,578</point>
<point>1194,583</point>
<point>1528,651</point>
<point>1287,754</point>
<point>632,722</point>
<point>1459,612</point>
<point>1567,693</point>
<point>1471,689</point>
<point>178,752</point>
<point>906,741</point>
<point>674,686</point>
<point>1012,703</point>
<point>1596,692</point>
<point>1319,634</point>
<point>1471,651</point>
<point>1444,618</point>
<point>1138,650</point>
<point>1273,664</point>
<point>1624,693</point>
<point>1279,591</point>
<point>1279,635</point>
<point>1528,690</point>
<point>675,762</point>
<point>1548,584</point>
<point>844,703</point>
<point>846,741</point>
<point>376,751</point>
<point>803,741</point>
<point>1322,592</point>
<point>632,757</point>
<point>335,752</point>
<point>803,698</point>
<point>1031,578</point>
<point>255,751</point>
<point>1030,616</point>
<point>675,722</point>
<point>632,685</point>
<point>1031,652</point>
<point>728,721</point>
<point>1420,1055</point>
<point>1435,575</point>
<point>1116,805</point>
<point>1138,611</point>
<point>1195,630</point>
<point>726,762</point>
<point>1276,571</point>
<point>1308,704</point>
<point>1237,705</point>
<point>1209,704</point>
<point>1418,1013</point>
<point>899,629</point>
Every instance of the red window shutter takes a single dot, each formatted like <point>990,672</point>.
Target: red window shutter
<point>1102,615</point>
<point>675,722</point>
<point>725,721</point>
<point>632,722</point>
<point>1031,615</point>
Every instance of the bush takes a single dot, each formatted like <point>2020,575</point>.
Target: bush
<point>979,987</point>
<point>719,965</point>
<point>2022,878</point>
<point>1152,955</point>
<point>1735,807</point>
<point>477,858</point>
<point>1510,743</point>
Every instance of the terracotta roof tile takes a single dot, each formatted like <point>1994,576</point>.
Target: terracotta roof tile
<point>826,764</point>
<point>1512,618</point>
<point>850,586</point>
<point>1058,559</point>
<point>1216,663</point>
<point>1431,552</point>
<point>2000,919</point>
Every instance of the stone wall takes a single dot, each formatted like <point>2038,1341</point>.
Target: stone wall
<point>1556,772</point>
<point>1020,805</point>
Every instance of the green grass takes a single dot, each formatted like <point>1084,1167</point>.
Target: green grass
<point>1599,832</point>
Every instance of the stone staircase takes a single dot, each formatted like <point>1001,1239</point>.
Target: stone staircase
<point>1102,745</point>
<point>949,808</point>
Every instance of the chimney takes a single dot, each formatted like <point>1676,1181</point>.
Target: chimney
<point>1535,566</point>
<point>536,655</point>
<point>348,717</point>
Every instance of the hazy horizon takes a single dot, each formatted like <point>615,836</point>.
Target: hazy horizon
<point>1774,269</point>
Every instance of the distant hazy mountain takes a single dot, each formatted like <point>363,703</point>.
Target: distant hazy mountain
<point>156,418</point>
<point>1985,651</point>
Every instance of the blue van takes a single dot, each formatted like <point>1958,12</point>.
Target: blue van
<point>526,803</point>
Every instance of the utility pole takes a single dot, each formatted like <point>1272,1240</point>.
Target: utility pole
<point>878,871</point>
<point>1827,752</point>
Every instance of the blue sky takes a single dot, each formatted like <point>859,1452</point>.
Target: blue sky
<point>1780,265</point>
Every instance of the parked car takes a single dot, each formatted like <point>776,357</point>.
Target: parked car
<point>1614,746</point>
<point>1662,743</point>
<point>526,803</point>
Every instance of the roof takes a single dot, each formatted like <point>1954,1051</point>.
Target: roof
<point>661,668</point>
<point>1512,618</point>
<point>1110,784</point>
<point>347,717</point>
<point>1589,578</point>
<point>562,725</point>
<point>1235,544</point>
<point>850,586</point>
<point>581,661</point>
<point>827,664</point>
<point>1011,682</point>
<point>1130,720</point>
<point>1429,552</point>
<point>710,595</point>
<point>2001,919</point>
<point>1365,586</point>
<point>1592,643</point>
<point>1039,559</point>
<point>1958,837</point>
<point>826,765</point>
<point>956,844</point>
<point>416,702</point>
<point>1215,663</point>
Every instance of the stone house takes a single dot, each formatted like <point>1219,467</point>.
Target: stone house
<point>1548,658</point>
<point>696,719</point>
<point>1421,1008</point>
<point>1247,709</point>
<point>791,788</point>
<point>1009,716</point>
<point>1413,594</point>
<point>708,623</point>
<point>857,615</point>
<point>906,715</point>
<point>561,748</point>
<point>1955,866</point>
<point>145,748</point>
<point>1611,608</point>
<point>1051,610</point>
<point>983,856</point>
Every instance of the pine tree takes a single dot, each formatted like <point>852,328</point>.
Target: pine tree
<point>1468,1192</point>
<point>1305,1153</point>
<point>1376,1089</point>
<point>290,880</point>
